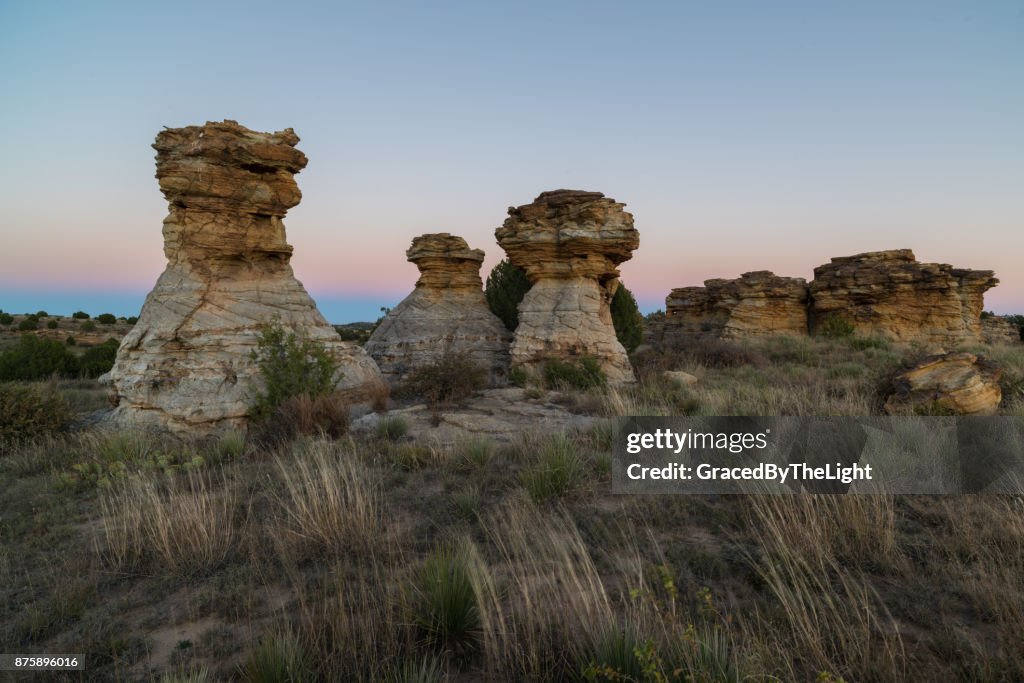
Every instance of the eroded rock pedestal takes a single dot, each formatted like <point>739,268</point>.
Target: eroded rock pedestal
<point>890,294</point>
<point>570,244</point>
<point>757,304</point>
<point>187,363</point>
<point>446,313</point>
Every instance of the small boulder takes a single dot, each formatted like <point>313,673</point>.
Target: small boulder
<point>961,383</point>
<point>683,378</point>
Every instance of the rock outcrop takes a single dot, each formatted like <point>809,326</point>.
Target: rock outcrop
<point>757,304</point>
<point>998,330</point>
<point>570,243</point>
<point>890,294</point>
<point>446,313</point>
<point>955,383</point>
<point>187,363</point>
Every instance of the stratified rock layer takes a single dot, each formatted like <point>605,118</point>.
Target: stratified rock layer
<point>757,304</point>
<point>187,363</point>
<point>959,383</point>
<point>998,330</point>
<point>446,314</point>
<point>570,244</point>
<point>890,294</point>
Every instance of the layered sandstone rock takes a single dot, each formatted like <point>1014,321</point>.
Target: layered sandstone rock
<point>570,244</point>
<point>187,363</point>
<point>998,330</point>
<point>757,304</point>
<point>890,294</point>
<point>960,383</point>
<point>446,314</point>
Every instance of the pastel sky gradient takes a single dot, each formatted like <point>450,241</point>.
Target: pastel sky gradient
<point>741,135</point>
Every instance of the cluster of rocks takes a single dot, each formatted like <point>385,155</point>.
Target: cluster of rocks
<point>884,293</point>
<point>188,364</point>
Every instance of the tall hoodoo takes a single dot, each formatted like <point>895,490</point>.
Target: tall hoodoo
<point>187,364</point>
<point>570,243</point>
<point>446,314</point>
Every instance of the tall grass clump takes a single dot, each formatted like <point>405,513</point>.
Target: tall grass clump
<point>555,470</point>
<point>279,657</point>
<point>329,501</point>
<point>586,373</point>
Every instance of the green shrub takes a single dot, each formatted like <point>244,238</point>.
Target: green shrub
<point>6,319</point>
<point>80,315</point>
<point>450,379</point>
<point>518,376</point>
<point>836,327</point>
<point>584,374</point>
<point>626,318</point>
<point>34,358</point>
<point>555,470</point>
<point>326,415</point>
<point>51,324</point>
<point>444,602</point>
<point>28,411</point>
<point>131,320</point>
<point>98,359</point>
<point>289,366</point>
<point>506,286</point>
<point>42,314</point>
<point>70,341</point>
<point>29,323</point>
<point>106,318</point>
<point>88,326</point>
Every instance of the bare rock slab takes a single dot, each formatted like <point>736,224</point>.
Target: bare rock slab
<point>445,314</point>
<point>960,383</point>
<point>187,365</point>
<point>570,243</point>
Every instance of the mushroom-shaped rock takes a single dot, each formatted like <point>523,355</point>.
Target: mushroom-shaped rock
<point>570,244</point>
<point>960,383</point>
<point>187,364</point>
<point>890,294</point>
<point>756,304</point>
<point>446,314</point>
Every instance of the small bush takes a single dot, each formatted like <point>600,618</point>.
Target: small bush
<point>290,365</point>
<point>626,318</point>
<point>106,318</point>
<point>836,327</point>
<point>518,376</point>
<point>585,374</point>
<point>80,315</point>
<point>51,324</point>
<point>391,428</point>
<point>70,341</point>
<point>98,359</point>
<point>42,314</point>
<point>35,358</point>
<point>29,323</point>
<point>325,415</point>
<point>88,326</point>
<point>450,379</point>
<point>506,286</point>
<point>131,320</point>
<point>6,319</point>
<point>554,471</point>
<point>27,411</point>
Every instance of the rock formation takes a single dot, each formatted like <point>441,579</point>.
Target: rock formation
<point>998,330</point>
<point>187,363</point>
<point>570,244</point>
<point>757,304</point>
<point>446,313</point>
<point>958,383</point>
<point>890,294</point>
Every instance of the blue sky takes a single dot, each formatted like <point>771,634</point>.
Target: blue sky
<point>742,135</point>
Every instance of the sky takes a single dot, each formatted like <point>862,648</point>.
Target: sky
<point>741,135</point>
